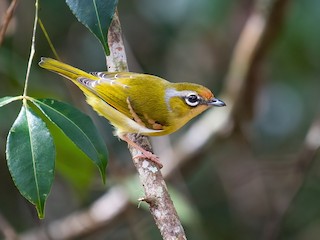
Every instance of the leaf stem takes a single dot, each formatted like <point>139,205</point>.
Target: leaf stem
<point>32,50</point>
<point>48,39</point>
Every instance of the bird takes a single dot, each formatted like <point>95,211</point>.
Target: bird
<point>136,102</point>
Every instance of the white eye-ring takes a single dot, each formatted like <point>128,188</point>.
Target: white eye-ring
<point>192,100</point>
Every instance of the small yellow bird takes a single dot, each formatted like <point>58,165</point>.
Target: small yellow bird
<point>138,103</point>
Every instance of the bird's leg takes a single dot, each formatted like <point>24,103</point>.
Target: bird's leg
<point>145,154</point>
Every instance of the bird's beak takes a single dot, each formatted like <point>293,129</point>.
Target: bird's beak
<point>216,102</point>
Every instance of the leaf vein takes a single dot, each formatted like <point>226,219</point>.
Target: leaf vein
<point>33,159</point>
<point>98,20</point>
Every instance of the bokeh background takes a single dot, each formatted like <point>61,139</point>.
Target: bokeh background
<point>258,179</point>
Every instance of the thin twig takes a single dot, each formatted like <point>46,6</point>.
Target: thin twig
<point>6,19</point>
<point>33,49</point>
<point>46,35</point>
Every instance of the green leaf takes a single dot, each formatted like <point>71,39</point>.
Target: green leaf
<point>30,156</point>
<point>73,166</point>
<point>96,15</point>
<point>79,128</point>
<point>7,100</point>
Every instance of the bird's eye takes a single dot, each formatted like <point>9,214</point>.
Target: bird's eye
<point>192,100</point>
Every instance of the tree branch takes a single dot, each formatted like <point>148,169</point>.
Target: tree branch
<point>156,192</point>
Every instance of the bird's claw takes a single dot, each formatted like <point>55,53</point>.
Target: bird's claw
<point>152,157</point>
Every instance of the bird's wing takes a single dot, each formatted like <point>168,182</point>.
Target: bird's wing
<point>110,89</point>
<point>114,90</point>
<point>122,123</point>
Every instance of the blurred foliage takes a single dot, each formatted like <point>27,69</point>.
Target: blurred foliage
<point>243,185</point>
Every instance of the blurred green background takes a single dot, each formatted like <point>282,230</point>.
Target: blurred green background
<point>262,181</point>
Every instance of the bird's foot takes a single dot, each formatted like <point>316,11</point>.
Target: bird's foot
<point>150,156</point>
<point>145,154</point>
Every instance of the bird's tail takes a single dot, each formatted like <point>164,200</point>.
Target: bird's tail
<point>63,69</point>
